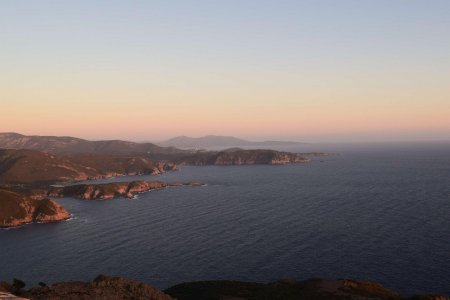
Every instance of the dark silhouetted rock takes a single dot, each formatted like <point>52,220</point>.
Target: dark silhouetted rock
<point>102,288</point>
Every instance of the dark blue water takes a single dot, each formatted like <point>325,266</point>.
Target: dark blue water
<point>375,212</point>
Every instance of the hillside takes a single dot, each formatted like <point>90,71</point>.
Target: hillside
<point>16,210</point>
<point>99,191</point>
<point>242,157</point>
<point>91,159</point>
<point>26,173</point>
<point>30,166</point>
<point>215,141</point>
<point>72,145</point>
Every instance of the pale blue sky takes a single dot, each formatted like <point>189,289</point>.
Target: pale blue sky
<point>285,62</point>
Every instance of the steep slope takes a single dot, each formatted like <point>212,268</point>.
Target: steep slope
<point>16,210</point>
<point>99,191</point>
<point>29,166</point>
<point>21,205</point>
<point>242,157</point>
<point>71,145</point>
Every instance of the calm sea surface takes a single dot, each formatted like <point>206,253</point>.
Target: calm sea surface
<point>374,212</point>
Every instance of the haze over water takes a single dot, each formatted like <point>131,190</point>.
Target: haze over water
<point>374,212</point>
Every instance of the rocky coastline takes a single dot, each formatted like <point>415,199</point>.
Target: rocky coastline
<point>18,210</point>
<point>22,206</point>
<point>238,156</point>
<point>31,171</point>
<point>107,191</point>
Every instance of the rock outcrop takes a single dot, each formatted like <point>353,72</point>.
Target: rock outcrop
<point>16,210</point>
<point>106,191</point>
<point>102,288</point>
<point>313,289</point>
<point>20,206</point>
<point>243,157</point>
<point>107,287</point>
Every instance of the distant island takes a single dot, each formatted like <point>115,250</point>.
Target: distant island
<point>30,166</point>
<point>218,141</point>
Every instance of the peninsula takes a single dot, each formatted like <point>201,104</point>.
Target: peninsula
<point>35,169</point>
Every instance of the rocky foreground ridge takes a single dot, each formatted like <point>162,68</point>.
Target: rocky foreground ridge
<point>112,288</point>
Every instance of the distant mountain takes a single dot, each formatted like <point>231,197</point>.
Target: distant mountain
<point>71,145</point>
<point>217,141</point>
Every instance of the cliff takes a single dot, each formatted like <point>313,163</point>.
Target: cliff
<point>19,205</point>
<point>106,190</point>
<point>106,287</point>
<point>16,210</point>
<point>243,157</point>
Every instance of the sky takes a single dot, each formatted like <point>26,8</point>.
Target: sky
<point>317,70</point>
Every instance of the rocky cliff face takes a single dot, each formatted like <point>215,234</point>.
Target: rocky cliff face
<point>20,206</point>
<point>243,157</point>
<point>16,210</point>
<point>106,190</point>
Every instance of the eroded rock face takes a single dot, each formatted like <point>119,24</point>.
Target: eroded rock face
<point>102,288</point>
<point>106,191</point>
<point>243,157</point>
<point>21,206</point>
<point>16,210</point>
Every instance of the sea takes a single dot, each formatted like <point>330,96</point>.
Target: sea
<point>377,212</point>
